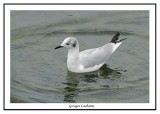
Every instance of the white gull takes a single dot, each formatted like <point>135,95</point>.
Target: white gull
<point>91,59</point>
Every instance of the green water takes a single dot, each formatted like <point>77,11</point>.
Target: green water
<point>39,73</point>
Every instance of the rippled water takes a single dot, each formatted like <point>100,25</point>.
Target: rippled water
<point>39,73</point>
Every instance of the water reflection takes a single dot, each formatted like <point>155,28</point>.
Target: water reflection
<point>71,89</point>
<point>73,80</point>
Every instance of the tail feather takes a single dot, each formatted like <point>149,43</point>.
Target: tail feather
<point>122,40</point>
<point>115,38</point>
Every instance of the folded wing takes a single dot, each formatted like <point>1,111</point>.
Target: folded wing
<point>97,56</point>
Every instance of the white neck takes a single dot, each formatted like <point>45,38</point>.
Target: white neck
<point>73,53</point>
<point>73,56</point>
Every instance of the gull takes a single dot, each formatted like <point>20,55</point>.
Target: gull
<point>88,60</point>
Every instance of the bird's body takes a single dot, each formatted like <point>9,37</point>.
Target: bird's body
<point>91,59</point>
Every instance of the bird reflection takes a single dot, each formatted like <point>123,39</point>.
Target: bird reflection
<point>73,80</point>
<point>71,89</point>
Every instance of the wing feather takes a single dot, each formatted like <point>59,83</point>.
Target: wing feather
<point>96,56</point>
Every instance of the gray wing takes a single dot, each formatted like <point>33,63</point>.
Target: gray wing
<point>96,56</point>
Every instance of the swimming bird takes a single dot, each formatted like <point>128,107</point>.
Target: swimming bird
<point>88,60</point>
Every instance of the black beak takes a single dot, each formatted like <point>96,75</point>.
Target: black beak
<point>58,47</point>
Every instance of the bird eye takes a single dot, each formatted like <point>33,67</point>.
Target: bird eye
<point>67,43</point>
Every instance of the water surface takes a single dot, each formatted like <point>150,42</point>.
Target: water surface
<point>39,73</point>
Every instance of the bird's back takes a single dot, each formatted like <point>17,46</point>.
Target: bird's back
<point>96,56</point>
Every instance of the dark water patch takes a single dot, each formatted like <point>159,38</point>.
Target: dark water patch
<point>87,32</point>
<point>39,74</point>
<point>24,44</point>
<point>18,100</point>
<point>38,100</point>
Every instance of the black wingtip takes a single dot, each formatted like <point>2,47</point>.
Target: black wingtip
<point>122,40</point>
<point>115,38</point>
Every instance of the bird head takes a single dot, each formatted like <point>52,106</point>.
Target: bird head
<point>69,43</point>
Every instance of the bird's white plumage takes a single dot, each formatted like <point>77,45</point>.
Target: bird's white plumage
<point>87,60</point>
<point>97,56</point>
